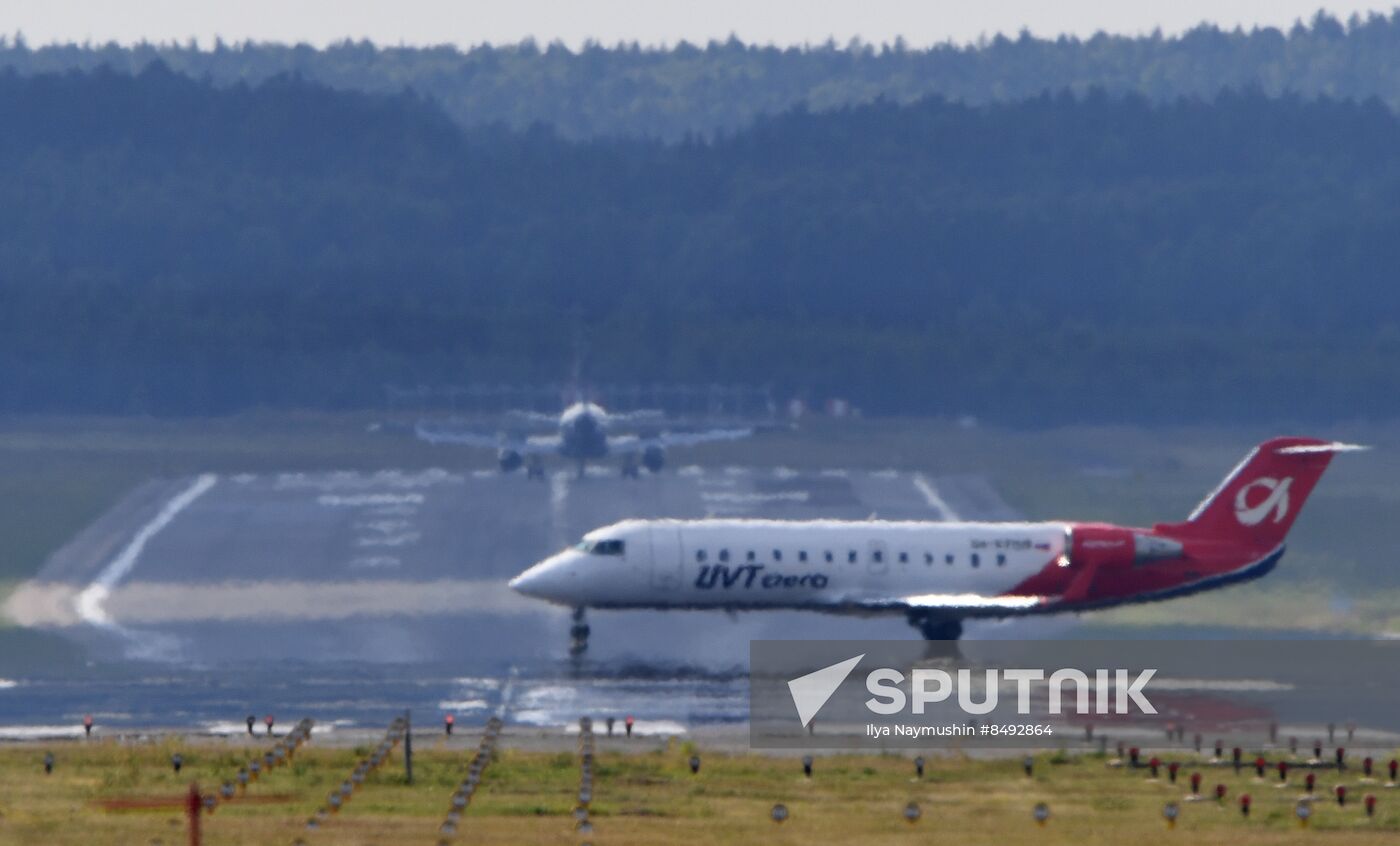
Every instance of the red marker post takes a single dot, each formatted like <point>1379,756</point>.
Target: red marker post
<point>87,725</point>
<point>628,723</point>
<point>1283,771</point>
<point>1341,792</point>
<point>194,806</point>
<point>447,722</point>
<point>1259,764</point>
<point>1309,783</point>
<point>268,720</point>
<point>1153,764</point>
<point>1220,793</point>
<point>1394,764</point>
<point>1171,771</point>
<point>1195,784</point>
<point>1370,805</point>
<point>1244,804</point>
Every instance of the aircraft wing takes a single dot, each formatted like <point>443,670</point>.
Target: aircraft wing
<point>639,416</point>
<point>960,604</point>
<point>482,440</point>
<point>636,443</point>
<point>438,435</point>
<point>531,420</point>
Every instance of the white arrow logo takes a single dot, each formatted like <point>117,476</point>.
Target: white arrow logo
<point>810,692</point>
<point>1276,501</point>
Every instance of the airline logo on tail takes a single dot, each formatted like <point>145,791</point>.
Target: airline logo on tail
<point>1276,501</point>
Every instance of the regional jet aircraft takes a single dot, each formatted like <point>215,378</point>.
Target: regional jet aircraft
<point>584,432</point>
<point>939,574</point>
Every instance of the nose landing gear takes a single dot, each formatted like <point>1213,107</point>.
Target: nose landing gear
<point>578,634</point>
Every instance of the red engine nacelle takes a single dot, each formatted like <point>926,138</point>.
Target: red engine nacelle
<point>1101,547</point>
<point>1103,558</point>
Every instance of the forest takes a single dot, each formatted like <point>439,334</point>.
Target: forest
<point>666,92</point>
<point>173,246</point>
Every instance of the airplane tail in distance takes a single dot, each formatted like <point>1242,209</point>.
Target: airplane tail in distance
<point>1258,502</point>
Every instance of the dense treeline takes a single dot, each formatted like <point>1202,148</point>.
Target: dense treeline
<point>171,246</point>
<point>666,93</point>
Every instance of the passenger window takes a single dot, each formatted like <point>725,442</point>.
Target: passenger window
<point>948,559</point>
<point>829,557</point>
<point>777,555</point>
<point>724,555</point>
<point>752,555</point>
<point>802,555</point>
<point>975,560</point>
<point>928,557</point>
<point>851,557</point>
<point>1001,559</point>
<point>877,556</point>
<point>904,558</point>
<point>700,555</point>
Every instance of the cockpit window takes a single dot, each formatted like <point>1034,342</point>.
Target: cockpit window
<point>601,547</point>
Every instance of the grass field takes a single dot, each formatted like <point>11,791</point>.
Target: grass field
<point>650,797</point>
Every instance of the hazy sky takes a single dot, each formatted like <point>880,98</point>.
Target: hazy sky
<point>466,22</point>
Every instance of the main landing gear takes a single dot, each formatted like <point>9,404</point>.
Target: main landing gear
<point>937,628</point>
<point>578,634</point>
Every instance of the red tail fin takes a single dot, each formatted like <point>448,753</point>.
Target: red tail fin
<point>1258,502</point>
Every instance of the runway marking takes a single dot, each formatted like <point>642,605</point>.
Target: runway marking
<point>156,603</point>
<point>357,500</point>
<point>350,480</point>
<point>371,562</point>
<point>933,499</point>
<point>390,540</point>
<point>884,474</point>
<point>784,496</point>
<point>387,527</point>
<point>89,603</point>
<point>718,483</point>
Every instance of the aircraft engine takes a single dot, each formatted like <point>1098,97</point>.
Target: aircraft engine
<point>510,460</point>
<point>654,458</point>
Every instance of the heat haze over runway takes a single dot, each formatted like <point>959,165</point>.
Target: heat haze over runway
<point>398,579</point>
<point>411,567</point>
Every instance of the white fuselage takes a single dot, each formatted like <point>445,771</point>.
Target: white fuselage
<point>832,565</point>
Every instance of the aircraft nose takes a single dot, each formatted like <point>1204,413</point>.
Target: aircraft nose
<point>553,579</point>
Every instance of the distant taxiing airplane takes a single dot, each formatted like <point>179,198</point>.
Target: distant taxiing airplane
<point>938,574</point>
<point>584,433</point>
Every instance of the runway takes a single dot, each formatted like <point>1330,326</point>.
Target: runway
<point>352,592</point>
